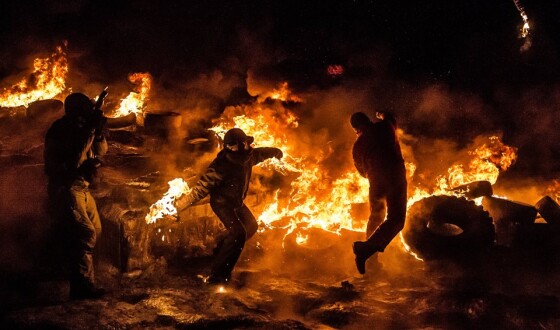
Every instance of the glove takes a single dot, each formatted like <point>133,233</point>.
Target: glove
<point>279,154</point>
<point>183,202</point>
<point>88,169</point>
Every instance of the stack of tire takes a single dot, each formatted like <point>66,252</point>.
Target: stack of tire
<point>448,227</point>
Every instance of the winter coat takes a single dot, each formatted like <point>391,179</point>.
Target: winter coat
<point>67,147</point>
<point>376,151</point>
<point>227,178</point>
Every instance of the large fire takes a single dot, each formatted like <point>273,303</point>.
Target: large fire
<point>47,80</point>
<point>316,199</point>
<point>135,101</point>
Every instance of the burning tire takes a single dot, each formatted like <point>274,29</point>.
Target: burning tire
<point>446,227</point>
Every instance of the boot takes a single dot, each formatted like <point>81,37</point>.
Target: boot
<point>214,279</point>
<point>85,291</point>
<point>362,253</point>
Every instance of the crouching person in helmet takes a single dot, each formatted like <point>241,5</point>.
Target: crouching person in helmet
<point>72,145</point>
<point>227,181</point>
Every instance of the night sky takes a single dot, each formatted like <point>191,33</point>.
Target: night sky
<point>400,51</point>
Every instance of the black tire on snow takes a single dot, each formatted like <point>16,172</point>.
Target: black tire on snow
<point>477,235</point>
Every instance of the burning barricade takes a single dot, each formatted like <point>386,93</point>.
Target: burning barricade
<point>305,212</point>
<point>310,204</point>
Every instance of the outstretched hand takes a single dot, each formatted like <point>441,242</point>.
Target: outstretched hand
<point>279,154</point>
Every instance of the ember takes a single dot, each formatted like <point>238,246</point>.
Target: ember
<point>524,31</point>
<point>335,70</point>
<point>525,28</point>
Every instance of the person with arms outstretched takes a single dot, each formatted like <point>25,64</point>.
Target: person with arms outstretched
<point>226,180</point>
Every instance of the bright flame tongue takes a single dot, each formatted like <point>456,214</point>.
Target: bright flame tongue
<point>47,81</point>
<point>177,188</point>
<point>485,165</point>
<point>315,200</point>
<point>134,102</point>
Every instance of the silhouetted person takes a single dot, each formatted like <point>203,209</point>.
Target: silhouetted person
<point>377,157</point>
<point>227,181</point>
<point>72,145</point>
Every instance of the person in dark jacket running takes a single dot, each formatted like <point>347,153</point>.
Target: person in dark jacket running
<point>377,157</point>
<point>227,181</point>
<point>72,145</point>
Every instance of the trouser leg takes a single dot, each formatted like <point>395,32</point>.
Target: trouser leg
<point>249,223</point>
<point>396,214</point>
<point>248,220</point>
<point>232,244</point>
<point>86,226</point>
<point>376,215</point>
<point>376,207</point>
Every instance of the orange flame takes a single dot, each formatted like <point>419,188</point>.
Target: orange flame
<point>554,190</point>
<point>47,80</point>
<point>165,206</point>
<point>485,165</point>
<point>135,101</point>
<point>283,94</point>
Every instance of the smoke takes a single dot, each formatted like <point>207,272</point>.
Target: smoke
<point>25,227</point>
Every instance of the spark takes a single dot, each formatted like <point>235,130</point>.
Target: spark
<point>524,32</point>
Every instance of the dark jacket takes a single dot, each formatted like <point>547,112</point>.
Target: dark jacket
<point>377,150</point>
<point>67,147</point>
<point>227,178</point>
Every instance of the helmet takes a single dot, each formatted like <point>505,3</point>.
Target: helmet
<point>78,104</point>
<point>236,136</point>
<point>359,119</point>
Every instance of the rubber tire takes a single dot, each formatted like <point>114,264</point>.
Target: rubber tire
<point>477,236</point>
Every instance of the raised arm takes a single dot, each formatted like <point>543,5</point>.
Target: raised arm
<point>262,154</point>
<point>388,117</point>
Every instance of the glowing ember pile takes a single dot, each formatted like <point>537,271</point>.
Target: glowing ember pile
<point>316,199</point>
<point>46,81</point>
<point>135,101</point>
